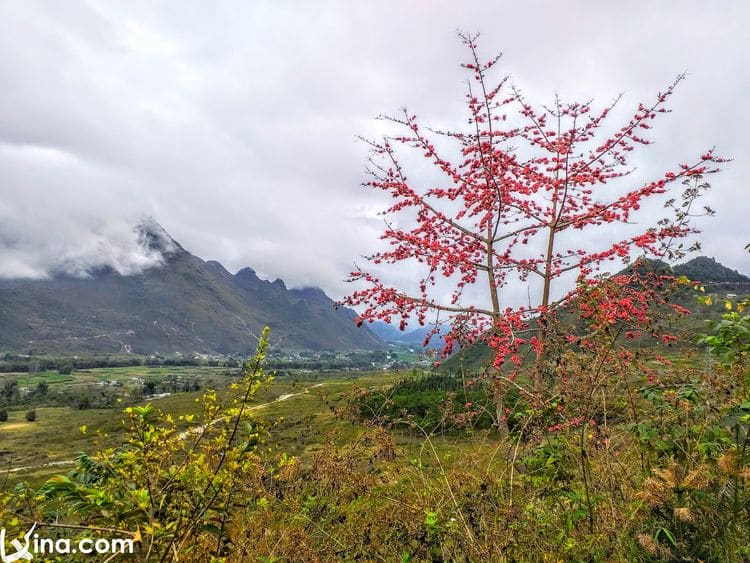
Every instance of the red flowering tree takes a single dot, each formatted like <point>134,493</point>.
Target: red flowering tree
<point>520,193</point>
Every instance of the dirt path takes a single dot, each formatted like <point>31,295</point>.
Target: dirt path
<point>284,397</point>
<point>41,466</point>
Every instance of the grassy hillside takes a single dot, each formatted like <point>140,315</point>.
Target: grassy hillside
<point>719,284</point>
<point>33,451</point>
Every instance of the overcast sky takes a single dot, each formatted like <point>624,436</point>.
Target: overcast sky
<point>233,124</point>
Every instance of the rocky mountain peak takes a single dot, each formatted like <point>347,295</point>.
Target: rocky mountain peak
<point>155,238</point>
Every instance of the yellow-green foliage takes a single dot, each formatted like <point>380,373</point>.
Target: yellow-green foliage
<point>174,491</point>
<point>659,470</point>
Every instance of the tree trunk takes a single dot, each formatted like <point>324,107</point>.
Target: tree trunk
<point>498,392</point>
<point>537,376</point>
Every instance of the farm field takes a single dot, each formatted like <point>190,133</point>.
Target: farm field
<point>126,376</point>
<point>35,450</point>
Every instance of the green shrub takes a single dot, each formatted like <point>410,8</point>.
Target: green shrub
<point>436,402</point>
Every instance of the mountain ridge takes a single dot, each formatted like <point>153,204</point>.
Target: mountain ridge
<point>709,271</point>
<point>184,305</point>
<point>714,276</point>
<point>413,337</point>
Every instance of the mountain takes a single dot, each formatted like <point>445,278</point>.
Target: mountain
<point>386,331</point>
<point>718,280</point>
<point>185,305</point>
<point>709,271</point>
<point>415,337</point>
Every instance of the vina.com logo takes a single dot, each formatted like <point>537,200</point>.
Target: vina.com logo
<point>35,545</point>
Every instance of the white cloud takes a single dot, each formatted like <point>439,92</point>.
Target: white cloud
<point>234,125</point>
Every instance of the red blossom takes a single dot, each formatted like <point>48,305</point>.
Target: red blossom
<point>498,212</point>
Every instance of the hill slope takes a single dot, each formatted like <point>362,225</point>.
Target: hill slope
<point>186,305</point>
<point>717,279</point>
<point>711,273</point>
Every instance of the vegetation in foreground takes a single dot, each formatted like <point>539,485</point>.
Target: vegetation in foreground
<point>658,472</point>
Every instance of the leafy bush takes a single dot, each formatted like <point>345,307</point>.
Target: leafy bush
<point>179,489</point>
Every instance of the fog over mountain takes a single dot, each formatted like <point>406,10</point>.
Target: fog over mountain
<point>78,251</point>
<point>234,124</point>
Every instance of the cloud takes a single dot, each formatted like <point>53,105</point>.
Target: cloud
<point>234,125</point>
